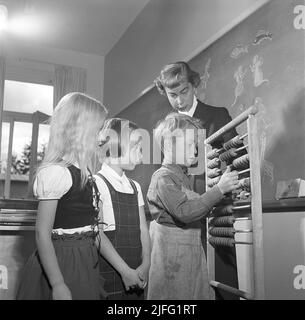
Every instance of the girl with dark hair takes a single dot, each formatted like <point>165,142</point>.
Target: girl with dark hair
<point>122,207</point>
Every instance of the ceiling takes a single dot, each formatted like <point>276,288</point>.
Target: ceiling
<point>89,26</point>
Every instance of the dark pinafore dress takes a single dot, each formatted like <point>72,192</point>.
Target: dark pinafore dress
<point>126,239</point>
<point>76,253</point>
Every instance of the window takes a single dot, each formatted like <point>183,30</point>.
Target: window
<point>26,108</point>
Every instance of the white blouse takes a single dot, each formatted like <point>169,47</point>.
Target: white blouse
<point>52,182</point>
<point>120,184</point>
<point>191,112</point>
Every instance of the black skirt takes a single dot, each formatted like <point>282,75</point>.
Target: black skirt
<point>78,262</point>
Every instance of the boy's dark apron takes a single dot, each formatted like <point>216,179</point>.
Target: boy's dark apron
<point>126,239</point>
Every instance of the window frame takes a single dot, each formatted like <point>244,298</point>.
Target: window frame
<point>27,72</point>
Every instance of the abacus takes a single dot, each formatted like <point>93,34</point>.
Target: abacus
<point>243,204</point>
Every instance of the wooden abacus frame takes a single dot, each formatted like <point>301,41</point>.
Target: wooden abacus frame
<point>255,207</point>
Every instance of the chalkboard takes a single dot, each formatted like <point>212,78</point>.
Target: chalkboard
<point>261,60</point>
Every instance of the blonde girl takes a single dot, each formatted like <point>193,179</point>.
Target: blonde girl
<point>65,264</point>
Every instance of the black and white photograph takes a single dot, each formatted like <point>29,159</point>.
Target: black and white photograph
<point>152,151</point>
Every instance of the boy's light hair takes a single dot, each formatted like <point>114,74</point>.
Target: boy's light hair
<point>173,123</point>
<point>74,127</point>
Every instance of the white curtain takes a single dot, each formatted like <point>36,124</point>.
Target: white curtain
<point>2,81</point>
<point>68,79</point>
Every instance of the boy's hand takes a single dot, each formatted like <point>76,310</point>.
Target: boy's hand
<point>61,292</point>
<point>131,279</point>
<point>228,181</point>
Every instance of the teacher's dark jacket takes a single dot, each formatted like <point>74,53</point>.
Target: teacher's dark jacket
<point>212,119</point>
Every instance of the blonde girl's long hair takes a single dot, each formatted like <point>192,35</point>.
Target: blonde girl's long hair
<point>74,128</point>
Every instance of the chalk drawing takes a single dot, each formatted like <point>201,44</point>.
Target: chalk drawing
<point>206,76</point>
<point>238,51</point>
<point>265,127</point>
<point>239,76</point>
<point>262,35</point>
<point>257,71</point>
<point>201,90</point>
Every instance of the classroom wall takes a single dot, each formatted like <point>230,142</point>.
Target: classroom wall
<point>33,62</point>
<point>165,31</point>
<point>241,69</point>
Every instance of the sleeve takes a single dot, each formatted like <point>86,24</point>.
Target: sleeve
<point>104,194</point>
<point>52,182</point>
<point>177,204</point>
<point>140,195</point>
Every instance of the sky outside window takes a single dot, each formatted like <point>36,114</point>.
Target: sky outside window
<point>26,98</point>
